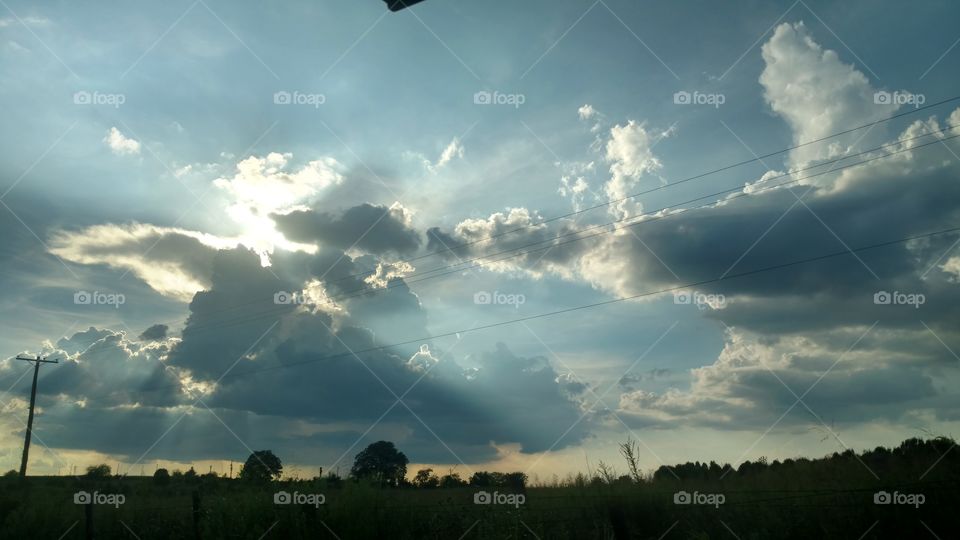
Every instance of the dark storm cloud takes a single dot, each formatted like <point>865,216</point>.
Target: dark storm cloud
<point>374,229</point>
<point>295,364</point>
<point>156,332</point>
<point>102,369</point>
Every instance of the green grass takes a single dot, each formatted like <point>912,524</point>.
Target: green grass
<point>826,498</point>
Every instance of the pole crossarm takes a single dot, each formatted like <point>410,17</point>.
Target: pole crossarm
<point>44,359</point>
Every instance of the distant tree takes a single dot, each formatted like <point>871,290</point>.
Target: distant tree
<point>177,474</point>
<point>262,466</point>
<point>518,480</point>
<point>482,479</point>
<point>190,475</point>
<point>98,471</point>
<point>11,474</point>
<point>161,477</point>
<point>662,473</point>
<point>381,461</point>
<point>426,479</point>
<point>452,480</point>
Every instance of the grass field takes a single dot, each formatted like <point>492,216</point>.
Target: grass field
<point>832,497</point>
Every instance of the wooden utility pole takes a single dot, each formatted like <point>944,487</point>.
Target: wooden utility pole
<point>37,360</point>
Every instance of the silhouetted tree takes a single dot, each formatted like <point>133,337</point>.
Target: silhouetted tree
<point>161,477</point>
<point>382,462</point>
<point>261,466</point>
<point>515,480</point>
<point>98,471</point>
<point>452,480</point>
<point>482,479</point>
<point>426,479</point>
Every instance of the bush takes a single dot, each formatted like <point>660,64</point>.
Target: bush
<point>98,471</point>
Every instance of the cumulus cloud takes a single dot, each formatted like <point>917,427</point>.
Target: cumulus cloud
<point>265,185</point>
<point>797,320</point>
<point>522,243</point>
<point>817,93</point>
<point>629,150</point>
<point>370,228</point>
<point>120,144</point>
<point>267,368</point>
<point>174,262</point>
<point>754,381</point>
<point>156,332</point>
<point>586,112</point>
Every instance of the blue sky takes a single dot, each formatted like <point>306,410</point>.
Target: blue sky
<point>148,152</point>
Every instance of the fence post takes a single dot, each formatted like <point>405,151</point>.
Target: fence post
<point>88,514</point>
<point>196,514</point>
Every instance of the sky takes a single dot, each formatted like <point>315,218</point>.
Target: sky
<point>307,226</point>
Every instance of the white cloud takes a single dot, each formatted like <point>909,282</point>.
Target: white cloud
<point>120,144</point>
<point>816,93</point>
<point>586,112</point>
<point>452,151</point>
<point>630,153</point>
<point>174,262</point>
<point>263,185</point>
<point>575,188</point>
<point>16,47</point>
<point>952,268</point>
<point>28,21</point>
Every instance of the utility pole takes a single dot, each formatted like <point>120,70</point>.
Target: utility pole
<point>37,360</point>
